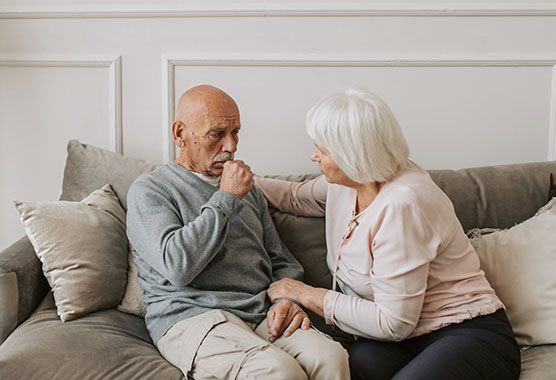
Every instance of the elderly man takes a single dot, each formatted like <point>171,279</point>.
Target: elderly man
<point>207,250</point>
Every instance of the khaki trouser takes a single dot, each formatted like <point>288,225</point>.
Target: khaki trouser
<point>233,349</point>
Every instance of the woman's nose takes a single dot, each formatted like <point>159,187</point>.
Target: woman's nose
<point>314,156</point>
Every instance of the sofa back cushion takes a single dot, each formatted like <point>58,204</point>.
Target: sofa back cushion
<point>496,196</point>
<point>89,168</point>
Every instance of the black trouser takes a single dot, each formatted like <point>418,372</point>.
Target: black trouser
<point>480,348</point>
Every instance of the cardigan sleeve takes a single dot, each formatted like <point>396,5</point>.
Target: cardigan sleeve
<point>307,198</point>
<point>402,248</point>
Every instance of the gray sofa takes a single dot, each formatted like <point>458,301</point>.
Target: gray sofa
<point>110,344</point>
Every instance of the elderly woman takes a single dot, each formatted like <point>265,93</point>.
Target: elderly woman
<point>407,281</point>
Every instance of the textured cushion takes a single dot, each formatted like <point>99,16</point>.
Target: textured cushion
<point>132,302</point>
<point>83,249</point>
<point>106,345</point>
<point>519,263</point>
<point>88,168</point>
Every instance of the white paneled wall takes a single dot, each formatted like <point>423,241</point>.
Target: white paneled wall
<point>471,83</point>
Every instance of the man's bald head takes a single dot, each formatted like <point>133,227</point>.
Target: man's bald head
<point>206,129</point>
<point>200,101</point>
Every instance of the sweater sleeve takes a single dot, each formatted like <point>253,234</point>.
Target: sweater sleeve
<point>178,249</point>
<point>402,249</point>
<point>284,264</point>
<point>307,198</point>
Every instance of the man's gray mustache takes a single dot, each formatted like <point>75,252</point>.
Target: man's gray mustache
<point>223,158</point>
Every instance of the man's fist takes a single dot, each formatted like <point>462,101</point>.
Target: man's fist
<point>237,178</point>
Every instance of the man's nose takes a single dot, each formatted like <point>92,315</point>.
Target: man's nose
<point>230,144</point>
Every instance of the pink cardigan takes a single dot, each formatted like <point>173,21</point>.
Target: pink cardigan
<point>404,264</point>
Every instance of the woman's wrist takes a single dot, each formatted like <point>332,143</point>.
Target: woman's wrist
<point>313,299</point>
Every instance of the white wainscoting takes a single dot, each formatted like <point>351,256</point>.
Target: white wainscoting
<point>45,101</point>
<point>114,95</point>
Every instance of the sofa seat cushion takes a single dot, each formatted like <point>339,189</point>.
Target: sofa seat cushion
<point>106,344</point>
<point>537,362</point>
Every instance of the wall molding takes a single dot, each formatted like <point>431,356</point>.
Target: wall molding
<point>277,9</point>
<point>114,65</point>
<point>171,61</point>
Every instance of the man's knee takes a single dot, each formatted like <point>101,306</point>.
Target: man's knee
<point>288,369</point>
<point>327,356</point>
<point>271,363</point>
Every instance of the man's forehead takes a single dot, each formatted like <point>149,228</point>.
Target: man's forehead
<point>221,119</point>
<point>221,115</point>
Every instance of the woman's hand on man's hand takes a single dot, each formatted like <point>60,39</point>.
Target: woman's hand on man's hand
<point>307,296</point>
<point>287,288</point>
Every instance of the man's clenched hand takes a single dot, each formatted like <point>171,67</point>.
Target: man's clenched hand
<point>237,178</point>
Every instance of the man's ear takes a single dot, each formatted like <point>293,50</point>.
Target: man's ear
<point>178,132</point>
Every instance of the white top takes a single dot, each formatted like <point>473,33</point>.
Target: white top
<point>404,264</point>
<point>214,181</point>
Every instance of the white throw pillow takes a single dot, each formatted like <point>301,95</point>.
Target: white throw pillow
<point>132,303</point>
<point>520,264</point>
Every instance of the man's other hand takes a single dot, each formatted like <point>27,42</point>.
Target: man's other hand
<point>284,318</point>
<point>237,178</point>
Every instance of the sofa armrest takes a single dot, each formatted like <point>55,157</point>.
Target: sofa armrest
<point>22,285</point>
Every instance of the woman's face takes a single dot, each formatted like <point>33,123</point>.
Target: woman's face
<point>329,168</point>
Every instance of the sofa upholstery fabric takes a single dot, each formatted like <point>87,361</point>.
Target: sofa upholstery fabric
<point>537,362</point>
<point>496,196</point>
<point>19,263</point>
<point>106,345</point>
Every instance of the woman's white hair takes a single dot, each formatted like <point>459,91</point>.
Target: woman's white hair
<point>361,134</point>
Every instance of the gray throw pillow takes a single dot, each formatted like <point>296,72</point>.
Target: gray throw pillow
<point>83,250</point>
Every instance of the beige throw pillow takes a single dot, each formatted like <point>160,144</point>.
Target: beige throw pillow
<point>83,249</point>
<point>132,303</point>
<point>519,264</point>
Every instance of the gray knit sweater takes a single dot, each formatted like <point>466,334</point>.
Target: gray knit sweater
<point>198,248</point>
